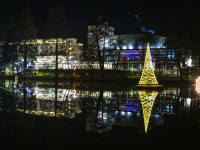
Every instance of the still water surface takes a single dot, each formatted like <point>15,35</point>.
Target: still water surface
<point>45,115</point>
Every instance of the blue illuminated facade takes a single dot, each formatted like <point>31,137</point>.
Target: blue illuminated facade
<point>132,53</point>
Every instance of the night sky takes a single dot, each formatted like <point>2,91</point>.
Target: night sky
<point>80,13</point>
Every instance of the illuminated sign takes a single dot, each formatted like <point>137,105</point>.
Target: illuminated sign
<point>198,84</point>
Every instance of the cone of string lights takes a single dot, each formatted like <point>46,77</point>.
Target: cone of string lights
<point>147,100</point>
<point>148,76</point>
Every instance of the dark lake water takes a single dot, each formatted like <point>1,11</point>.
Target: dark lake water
<point>48,115</point>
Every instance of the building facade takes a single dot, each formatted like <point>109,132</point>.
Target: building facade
<point>130,54</point>
<point>69,53</point>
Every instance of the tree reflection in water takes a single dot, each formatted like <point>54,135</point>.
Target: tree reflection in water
<point>91,114</point>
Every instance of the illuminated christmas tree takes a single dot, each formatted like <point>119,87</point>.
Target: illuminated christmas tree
<point>148,76</point>
<point>147,100</point>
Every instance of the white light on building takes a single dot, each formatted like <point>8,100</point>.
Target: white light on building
<point>187,102</point>
<point>130,47</point>
<point>125,47</point>
<point>188,61</point>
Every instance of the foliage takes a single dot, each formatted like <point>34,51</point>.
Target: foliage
<point>147,38</point>
<point>9,54</point>
<point>55,27</point>
<point>25,29</point>
<point>178,37</point>
<point>26,32</point>
<point>21,31</point>
<point>120,44</point>
<point>4,32</point>
<point>96,39</point>
<point>117,50</point>
<point>195,73</point>
<point>32,50</point>
<point>9,39</point>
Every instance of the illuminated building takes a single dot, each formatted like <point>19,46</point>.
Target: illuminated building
<point>69,53</point>
<point>138,41</point>
<point>133,53</point>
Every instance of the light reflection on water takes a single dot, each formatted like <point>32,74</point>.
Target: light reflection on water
<point>103,110</point>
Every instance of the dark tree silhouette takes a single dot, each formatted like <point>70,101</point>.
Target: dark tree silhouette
<point>120,44</point>
<point>177,35</point>
<point>97,36</point>
<point>25,32</point>
<point>18,37</point>
<point>55,27</point>
<point>8,51</point>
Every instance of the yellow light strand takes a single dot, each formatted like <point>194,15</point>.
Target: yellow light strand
<point>148,76</point>
<point>147,100</point>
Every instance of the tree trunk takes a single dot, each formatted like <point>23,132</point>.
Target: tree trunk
<point>24,96</point>
<point>101,97</point>
<point>17,57</point>
<point>104,38</point>
<point>56,71</point>
<point>199,61</point>
<point>179,64</point>
<point>118,59</point>
<point>25,56</point>
<point>100,60</point>
<point>179,101</point>
<point>56,91</point>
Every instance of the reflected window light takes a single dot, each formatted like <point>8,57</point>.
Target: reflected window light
<point>122,113</point>
<point>105,117</point>
<point>129,113</point>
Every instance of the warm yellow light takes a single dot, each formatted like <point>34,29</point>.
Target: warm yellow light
<point>198,84</point>
<point>148,76</point>
<point>16,79</point>
<point>74,89</point>
<point>147,100</point>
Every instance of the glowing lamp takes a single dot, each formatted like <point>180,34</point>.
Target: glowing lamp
<point>198,84</point>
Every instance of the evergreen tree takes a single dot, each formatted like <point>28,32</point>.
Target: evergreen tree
<point>55,27</point>
<point>3,56</point>
<point>26,34</point>
<point>177,36</point>
<point>20,34</point>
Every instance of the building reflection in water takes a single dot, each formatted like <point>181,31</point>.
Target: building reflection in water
<point>102,109</point>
